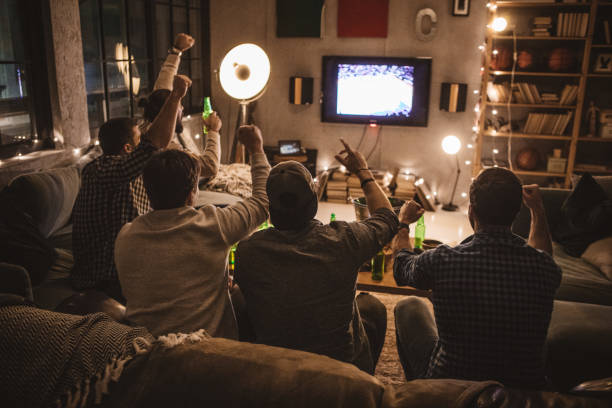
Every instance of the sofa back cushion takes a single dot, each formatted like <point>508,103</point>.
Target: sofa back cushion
<point>47,196</point>
<point>553,199</point>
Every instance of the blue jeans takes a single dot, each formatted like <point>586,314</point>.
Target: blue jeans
<point>416,334</point>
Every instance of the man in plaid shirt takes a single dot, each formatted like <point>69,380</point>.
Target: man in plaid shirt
<point>112,192</point>
<point>492,295</point>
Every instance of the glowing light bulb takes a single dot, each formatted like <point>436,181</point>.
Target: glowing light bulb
<point>494,111</point>
<point>481,69</point>
<point>470,146</point>
<point>97,142</point>
<point>476,109</point>
<point>55,139</point>
<point>494,132</point>
<point>325,168</point>
<point>428,196</point>
<point>476,91</point>
<point>343,169</point>
<point>451,144</point>
<point>481,47</point>
<point>435,193</point>
<point>495,165</point>
<point>197,136</point>
<point>499,24</point>
<point>464,194</point>
<point>419,182</point>
<point>188,116</point>
<point>495,52</point>
<point>475,128</point>
<point>76,151</point>
<point>495,151</point>
<point>468,162</point>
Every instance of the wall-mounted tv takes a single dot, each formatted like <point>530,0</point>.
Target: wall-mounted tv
<point>381,90</point>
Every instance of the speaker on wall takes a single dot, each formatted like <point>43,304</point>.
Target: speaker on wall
<point>300,90</point>
<point>453,97</point>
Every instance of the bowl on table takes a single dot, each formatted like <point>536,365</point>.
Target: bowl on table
<point>361,208</point>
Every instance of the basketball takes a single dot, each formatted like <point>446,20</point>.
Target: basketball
<point>525,60</point>
<point>561,59</point>
<point>527,159</point>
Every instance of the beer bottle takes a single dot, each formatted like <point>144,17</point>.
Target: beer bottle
<point>419,233</point>
<point>378,266</point>
<point>206,111</point>
<point>332,218</point>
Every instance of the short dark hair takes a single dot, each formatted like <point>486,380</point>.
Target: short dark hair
<point>154,103</point>
<point>496,196</point>
<point>115,133</point>
<point>169,177</point>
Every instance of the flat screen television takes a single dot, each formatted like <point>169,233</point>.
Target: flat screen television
<point>381,90</point>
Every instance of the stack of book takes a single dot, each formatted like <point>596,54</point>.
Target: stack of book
<point>541,26</point>
<point>498,93</point>
<point>405,189</point>
<point>526,93</point>
<point>547,123</point>
<point>337,188</point>
<point>572,24</point>
<point>568,95</point>
<point>354,187</point>
<point>550,98</point>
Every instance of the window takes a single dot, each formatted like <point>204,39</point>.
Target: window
<point>123,52</point>
<point>19,130</point>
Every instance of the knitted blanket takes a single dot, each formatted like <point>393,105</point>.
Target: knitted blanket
<point>233,179</point>
<point>51,358</point>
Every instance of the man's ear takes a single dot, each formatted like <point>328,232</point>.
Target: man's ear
<point>127,148</point>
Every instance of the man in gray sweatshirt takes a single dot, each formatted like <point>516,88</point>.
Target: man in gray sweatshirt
<point>172,262</point>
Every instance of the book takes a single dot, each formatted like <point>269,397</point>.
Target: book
<point>584,24</point>
<point>559,23</point>
<point>606,26</point>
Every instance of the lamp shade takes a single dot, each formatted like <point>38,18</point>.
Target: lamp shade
<point>244,71</point>
<point>499,24</point>
<point>451,144</point>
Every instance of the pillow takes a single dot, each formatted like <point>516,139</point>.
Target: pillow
<point>604,181</point>
<point>586,216</point>
<point>599,254</point>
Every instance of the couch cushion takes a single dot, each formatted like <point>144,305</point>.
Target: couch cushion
<point>578,343</point>
<point>587,217</point>
<point>604,181</point>
<point>599,254</point>
<point>581,281</point>
<point>47,196</point>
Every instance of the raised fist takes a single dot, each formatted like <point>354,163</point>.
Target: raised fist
<point>183,42</point>
<point>250,137</point>
<point>180,85</point>
<point>410,212</point>
<point>213,122</point>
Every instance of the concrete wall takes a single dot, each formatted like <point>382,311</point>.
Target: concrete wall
<point>456,58</point>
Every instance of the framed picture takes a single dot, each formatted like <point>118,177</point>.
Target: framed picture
<point>461,8</point>
<point>603,63</point>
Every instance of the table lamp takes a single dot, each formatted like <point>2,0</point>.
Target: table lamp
<point>244,75</point>
<point>451,145</point>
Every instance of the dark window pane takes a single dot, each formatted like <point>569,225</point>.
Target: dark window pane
<point>195,26</point>
<point>94,82</point>
<point>15,128</point>
<point>119,104</point>
<point>11,39</point>
<point>12,82</point>
<point>140,79</point>
<point>162,28</point>
<point>95,109</point>
<point>138,29</point>
<point>179,20</point>
<point>117,76</point>
<point>90,29</point>
<point>115,38</point>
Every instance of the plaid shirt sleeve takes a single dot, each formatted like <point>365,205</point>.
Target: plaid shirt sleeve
<point>123,169</point>
<point>410,269</point>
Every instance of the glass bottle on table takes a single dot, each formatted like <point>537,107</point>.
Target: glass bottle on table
<point>419,233</point>
<point>378,266</point>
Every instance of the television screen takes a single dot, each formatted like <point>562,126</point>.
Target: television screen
<point>383,90</point>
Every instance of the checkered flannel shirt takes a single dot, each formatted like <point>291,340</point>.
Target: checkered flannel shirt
<point>492,298</point>
<point>112,194</point>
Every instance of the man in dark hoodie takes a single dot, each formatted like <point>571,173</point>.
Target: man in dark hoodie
<point>299,277</point>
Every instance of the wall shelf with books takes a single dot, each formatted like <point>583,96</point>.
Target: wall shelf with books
<point>544,87</point>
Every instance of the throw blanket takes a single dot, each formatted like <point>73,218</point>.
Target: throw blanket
<point>232,178</point>
<point>51,358</point>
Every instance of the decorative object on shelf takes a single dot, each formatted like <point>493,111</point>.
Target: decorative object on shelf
<point>556,163</point>
<point>502,59</point>
<point>527,158</point>
<point>561,59</point>
<point>461,8</point>
<point>591,116</point>
<point>300,90</point>
<point>451,145</point>
<point>244,75</point>
<point>605,120</point>
<point>603,63</point>
<point>452,97</point>
<point>525,60</point>
<point>425,24</point>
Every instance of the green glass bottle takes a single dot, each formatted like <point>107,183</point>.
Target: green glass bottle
<point>419,233</point>
<point>206,112</point>
<point>232,260</point>
<point>378,266</point>
<point>332,218</point>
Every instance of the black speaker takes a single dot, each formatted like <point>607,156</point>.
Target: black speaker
<point>452,97</point>
<point>300,90</point>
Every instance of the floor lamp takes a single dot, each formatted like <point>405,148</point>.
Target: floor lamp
<point>244,75</point>
<point>451,145</point>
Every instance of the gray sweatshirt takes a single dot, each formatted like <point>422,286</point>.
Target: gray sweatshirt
<point>172,263</point>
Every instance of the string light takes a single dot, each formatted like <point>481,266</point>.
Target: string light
<point>470,146</point>
<point>468,162</point>
<point>481,47</point>
<point>325,168</point>
<point>464,194</point>
<point>19,156</point>
<point>495,52</point>
<point>419,182</point>
<point>495,151</point>
<point>481,69</point>
<point>494,132</point>
<point>97,142</point>
<point>76,151</point>
<point>475,128</point>
<point>476,92</point>
<point>499,24</point>
<point>55,139</point>
<point>343,169</point>
<point>494,111</point>
<point>476,109</point>
<point>197,136</point>
<point>435,193</point>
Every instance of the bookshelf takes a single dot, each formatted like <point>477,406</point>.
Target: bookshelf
<point>526,113</point>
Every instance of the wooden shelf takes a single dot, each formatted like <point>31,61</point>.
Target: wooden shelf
<point>595,139</point>
<point>608,171</point>
<point>539,74</point>
<point>600,75</point>
<point>531,105</point>
<point>601,45</point>
<point>539,4</point>
<point>528,136</point>
<point>538,173</point>
<point>533,37</point>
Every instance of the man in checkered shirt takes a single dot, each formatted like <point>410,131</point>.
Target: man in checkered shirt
<point>492,295</point>
<point>112,192</point>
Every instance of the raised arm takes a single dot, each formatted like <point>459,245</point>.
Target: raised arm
<point>237,221</point>
<point>357,164</point>
<point>212,153</point>
<point>169,68</point>
<point>163,126</point>
<point>539,234</point>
